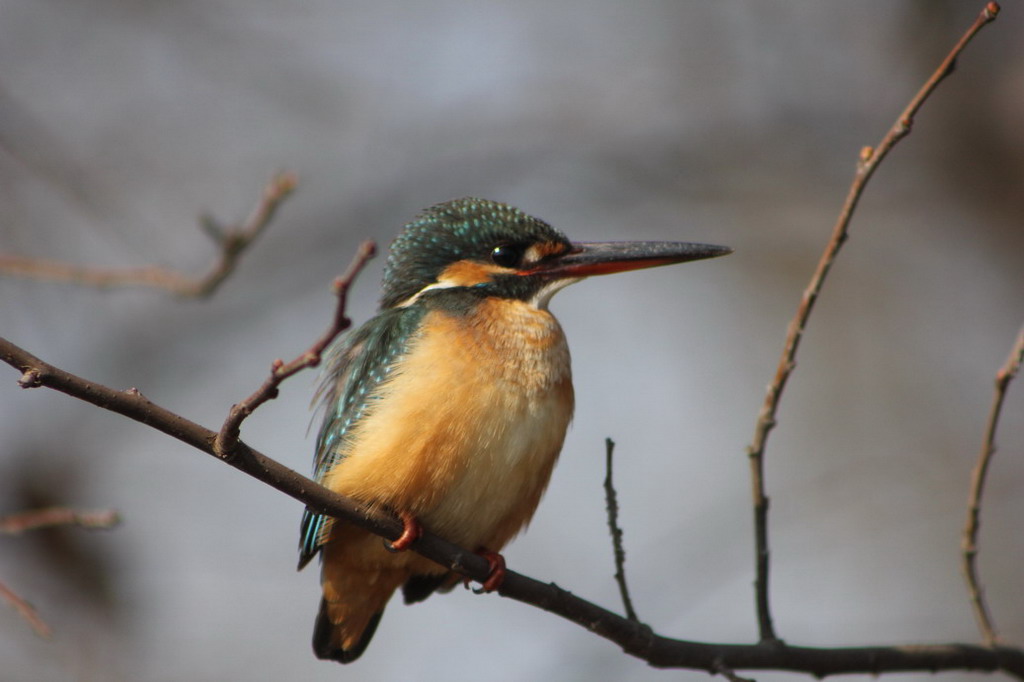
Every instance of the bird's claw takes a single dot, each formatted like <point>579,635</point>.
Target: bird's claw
<point>411,532</point>
<point>496,571</point>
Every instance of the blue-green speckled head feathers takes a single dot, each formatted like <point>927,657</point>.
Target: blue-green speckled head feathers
<point>462,229</point>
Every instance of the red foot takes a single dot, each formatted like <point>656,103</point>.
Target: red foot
<point>411,532</point>
<point>496,566</point>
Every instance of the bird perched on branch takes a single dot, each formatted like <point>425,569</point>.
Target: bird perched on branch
<point>449,407</point>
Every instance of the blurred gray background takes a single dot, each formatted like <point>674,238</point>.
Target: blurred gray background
<point>729,122</point>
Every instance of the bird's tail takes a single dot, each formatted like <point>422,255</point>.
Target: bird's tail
<point>350,611</point>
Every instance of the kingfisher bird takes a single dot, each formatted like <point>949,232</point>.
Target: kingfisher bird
<point>450,406</point>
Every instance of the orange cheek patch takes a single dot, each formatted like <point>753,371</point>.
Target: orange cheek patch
<point>465,273</point>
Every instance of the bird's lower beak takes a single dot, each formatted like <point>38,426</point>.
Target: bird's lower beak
<point>602,258</point>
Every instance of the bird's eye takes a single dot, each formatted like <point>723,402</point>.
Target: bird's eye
<point>507,255</point>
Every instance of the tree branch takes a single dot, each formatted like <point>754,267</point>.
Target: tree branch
<point>612,505</point>
<point>870,158</point>
<point>231,242</point>
<point>230,431</point>
<point>635,638</point>
<point>969,542</point>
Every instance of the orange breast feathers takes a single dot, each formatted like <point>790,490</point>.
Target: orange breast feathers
<point>465,434</point>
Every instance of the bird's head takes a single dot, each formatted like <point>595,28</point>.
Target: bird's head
<point>494,249</point>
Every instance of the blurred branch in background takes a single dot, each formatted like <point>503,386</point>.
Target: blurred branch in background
<point>13,524</point>
<point>969,544</point>
<point>231,243</point>
<point>26,611</point>
<point>35,519</point>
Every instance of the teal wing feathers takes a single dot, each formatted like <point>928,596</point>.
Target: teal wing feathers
<point>357,365</point>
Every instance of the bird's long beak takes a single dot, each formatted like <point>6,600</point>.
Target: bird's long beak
<point>602,258</point>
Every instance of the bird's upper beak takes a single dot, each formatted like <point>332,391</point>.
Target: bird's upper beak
<point>602,258</point>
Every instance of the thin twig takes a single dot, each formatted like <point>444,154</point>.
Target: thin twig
<point>730,674</point>
<point>870,158</point>
<point>969,542</point>
<point>25,610</point>
<point>34,519</point>
<point>633,637</point>
<point>231,243</point>
<point>230,431</point>
<point>616,532</point>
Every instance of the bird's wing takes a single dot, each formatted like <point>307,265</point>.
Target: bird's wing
<point>356,366</point>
